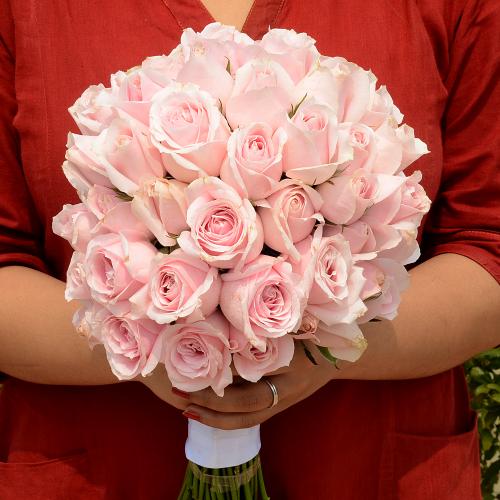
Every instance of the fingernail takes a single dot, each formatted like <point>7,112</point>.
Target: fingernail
<point>191,415</point>
<point>180,393</point>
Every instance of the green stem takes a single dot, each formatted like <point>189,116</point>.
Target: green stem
<point>262,486</point>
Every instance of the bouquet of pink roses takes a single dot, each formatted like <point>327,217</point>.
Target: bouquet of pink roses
<point>238,198</point>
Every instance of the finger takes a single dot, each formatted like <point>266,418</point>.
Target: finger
<point>246,397</point>
<point>229,421</point>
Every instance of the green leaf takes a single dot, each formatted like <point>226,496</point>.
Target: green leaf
<point>123,196</point>
<point>294,109</point>
<point>325,352</point>
<point>308,353</point>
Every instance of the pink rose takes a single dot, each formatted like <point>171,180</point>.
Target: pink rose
<point>381,108</point>
<point>129,344</point>
<point>93,111</point>
<point>101,199</point>
<point>251,363</point>
<point>83,166</point>
<point>197,355</point>
<point>366,240</point>
<point>87,321</point>
<point>413,148</point>
<point>289,216</point>
<point>114,214</point>
<point>208,58</point>
<point>334,296</point>
<point>225,45</point>
<point>116,267</point>
<point>179,286</point>
<point>76,283</point>
<point>357,148</point>
<point>263,300</point>
<point>405,207</point>
<point>225,231</point>
<point>308,327</point>
<point>133,91</point>
<point>347,197</point>
<point>163,69</point>
<point>310,152</point>
<point>296,52</point>
<point>253,164</point>
<point>342,85</point>
<point>75,224</point>
<point>262,92</point>
<point>128,156</point>
<point>189,130</point>
<point>344,341</point>
<point>161,205</point>
<point>385,280</point>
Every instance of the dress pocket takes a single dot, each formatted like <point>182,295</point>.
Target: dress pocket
<point>430,467</point>
<point>56,479</point>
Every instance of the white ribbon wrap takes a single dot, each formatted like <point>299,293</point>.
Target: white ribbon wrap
<point>217,448</point>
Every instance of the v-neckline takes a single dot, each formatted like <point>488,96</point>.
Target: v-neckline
<point>194,14</point>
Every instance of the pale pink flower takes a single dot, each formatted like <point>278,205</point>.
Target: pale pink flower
<point>196,355</point>
<point>83,166</point>
<point>253,165</point>
<point>348,197</point>
<point>93,111</point>
<point>179,286</point>
<point>310,154</point>
<point>116,267</point>
<point>344,340</point>
<point>334,296</point>
<point>381,108</point>
<point>133,91</point>
<point>263,300</point>
<point>163,69</point>
<point>129,344</point>
<point>262,92</point>
<point>252,363</point>
<point>343,85</point>
<point>75,224</point>
<point>289,216</point>
<point>385,281</point>
<point>296,52</point>
<point>225,231</point>
<point>76,283</point>
<point>161,205</point>
<point>189,130</point>
<point>128,155</point>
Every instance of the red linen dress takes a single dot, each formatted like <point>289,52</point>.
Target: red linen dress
<point>410,440</point>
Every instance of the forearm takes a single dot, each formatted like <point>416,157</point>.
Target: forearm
<point>37,340</point>
<point>450,312</point>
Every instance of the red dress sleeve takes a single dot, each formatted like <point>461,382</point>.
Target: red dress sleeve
<point>465,217</point>
<point>20,228</point>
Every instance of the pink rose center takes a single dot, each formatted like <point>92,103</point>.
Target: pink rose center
<point>186,123</point>
<point>123,342</point>
<point>220,227</point>
<point>271,305</point>
<point>190,357</point>
<point>256,148</point>
<point>364,188</point>
<point>134,88</point>
<point>297,204</point>
<point>333,269</point>
<point>359,139</point>
<point>312,121</point>
<point>166,289</point>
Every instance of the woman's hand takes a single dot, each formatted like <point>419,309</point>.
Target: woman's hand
<point>246,404</point>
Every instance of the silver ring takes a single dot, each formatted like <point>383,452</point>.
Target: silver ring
<point>274,390</point>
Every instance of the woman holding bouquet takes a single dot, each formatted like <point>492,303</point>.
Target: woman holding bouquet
<point>395,424</point>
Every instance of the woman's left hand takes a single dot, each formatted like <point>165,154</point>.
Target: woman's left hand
<point>247,404</point>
